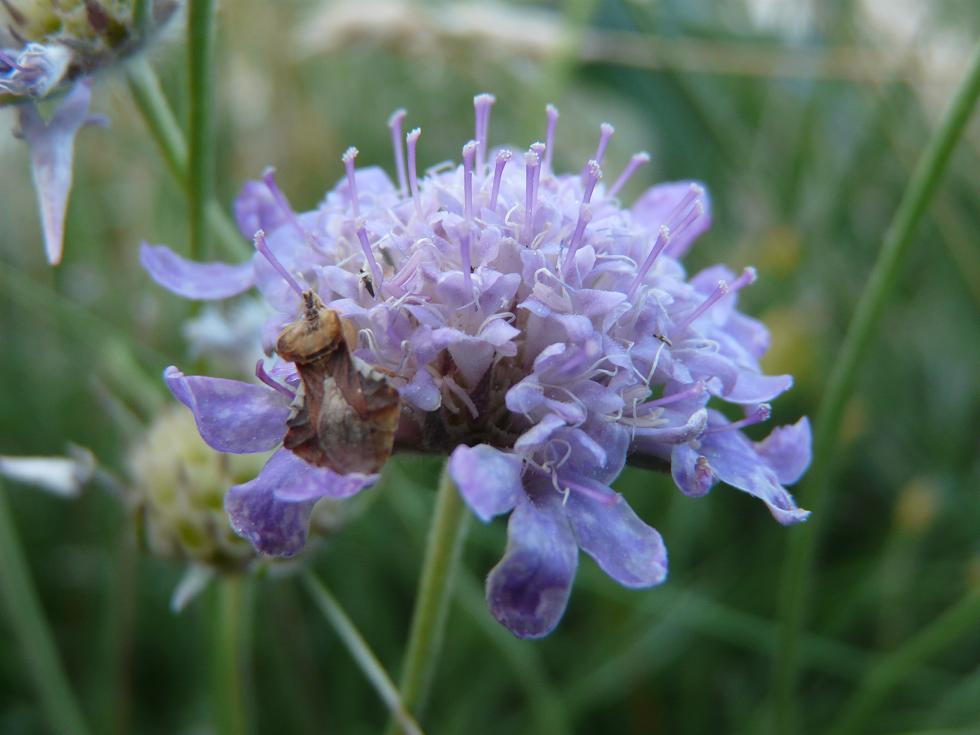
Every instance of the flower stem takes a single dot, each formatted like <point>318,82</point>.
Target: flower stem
<point>200,172</point>
<point>894,668</point>
<point>144,86</point>
<point>229,637</point>
<point>442,553</point>
<point>29,625</point>
<point>815,493</point>
<point>361,652</point>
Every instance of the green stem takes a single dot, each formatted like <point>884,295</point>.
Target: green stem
<point>30,627</point>
<point>881,283</point>
<point>442,553</point>
<point>361,652</point>
<point>145,88</point>
<point>228,655</point>
<point>200,172</point>
<point>894,668</point>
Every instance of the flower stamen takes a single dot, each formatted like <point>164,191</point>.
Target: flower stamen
<point>469,150</point>
<point>605,135</point>
<point>591,176</point>
<point>663,239</point>
<point>348,158</point>
<point>584,217</point>
<point>551,112</point>
<point>482,104</point>
<point>395,125</point>
<point>498,172</point>
<point>714,297</point>
<point>532,167</point>
<point>263,247</point>
<point>638,159</point>
<point>759,414</point>
<point>412,140</point>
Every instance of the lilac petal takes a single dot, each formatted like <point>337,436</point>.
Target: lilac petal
<point>787,450</point>
<point>194,280</point>
<point>489,480</point>
<point>256,209</point>
<point>273,510</point>
<point>528,589</point>
<point>753,388</point>
<point>422,391</point>
<point>625,548</point>
<point>733,458</point>
<point>714,369</point>
<point>52,151</point>
<point>691,471</point>
<point>234,417</point>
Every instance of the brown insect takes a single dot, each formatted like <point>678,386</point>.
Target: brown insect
<point>346,411</point>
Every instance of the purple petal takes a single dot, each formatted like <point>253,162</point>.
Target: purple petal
<point>273,510</point>
<point>256,209</point>
<point>691,471</point>
<point>234,417</point>
<point>528,589</point>
<point>787,450</point>
<point>194,280</point>
<point>754,388</point>
<point>733,458</point>
<point>52,151</point>
<point>626,548</point>
<point>488,479</point>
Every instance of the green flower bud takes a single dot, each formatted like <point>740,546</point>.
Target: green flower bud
<point>179,484</point>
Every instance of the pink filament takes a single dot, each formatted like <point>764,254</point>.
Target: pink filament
<point>412,140</point>
<point>482,104</point>
<point>498,172</point>
<point>376,275</point>
<point>348,158</point>
<point>714,297</point>
<point>395,125</point>
<point>263,247</point>
<point>663,238</point>
<point>584,217</point>
<point>636,161</point>
<point>549,139</point>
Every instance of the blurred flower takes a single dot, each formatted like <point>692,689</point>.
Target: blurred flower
<point>61,45</point>
<point>64,476</point>
<point>229,336</point>
<point>528,326</point>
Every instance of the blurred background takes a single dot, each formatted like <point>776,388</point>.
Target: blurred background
<point>803,119</point>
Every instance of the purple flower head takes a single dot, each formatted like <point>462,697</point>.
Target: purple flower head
<point>535,330</point>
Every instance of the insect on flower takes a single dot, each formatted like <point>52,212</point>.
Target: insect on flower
<point>520,321</point>
<point>345,412</point>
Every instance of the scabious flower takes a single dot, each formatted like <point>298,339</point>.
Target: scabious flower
<point>536,331</point>
<point>50,49</point>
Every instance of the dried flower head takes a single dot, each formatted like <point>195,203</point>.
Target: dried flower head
<point>534,329</point>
